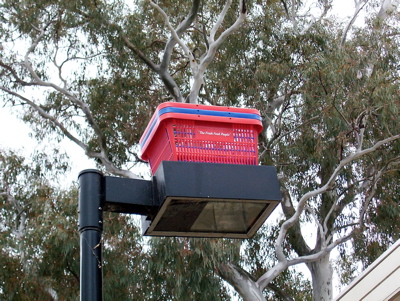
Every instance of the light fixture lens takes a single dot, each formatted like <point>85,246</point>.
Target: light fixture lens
<point>233,217</point>
<point>209,217</point>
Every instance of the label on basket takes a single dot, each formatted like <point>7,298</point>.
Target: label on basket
<point>214,133</point>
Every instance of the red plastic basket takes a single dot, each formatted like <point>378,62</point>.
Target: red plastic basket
<point>199,133</point>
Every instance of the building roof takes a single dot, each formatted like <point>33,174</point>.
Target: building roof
<point>379,282</point>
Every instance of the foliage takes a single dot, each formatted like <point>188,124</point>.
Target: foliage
<point>38,230</point>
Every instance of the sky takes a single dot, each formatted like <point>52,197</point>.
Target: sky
<point>15,135</point>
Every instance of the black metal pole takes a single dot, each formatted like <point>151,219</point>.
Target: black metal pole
<point>91,198</point>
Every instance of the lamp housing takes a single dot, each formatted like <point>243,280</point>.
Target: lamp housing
<point>211,200</point>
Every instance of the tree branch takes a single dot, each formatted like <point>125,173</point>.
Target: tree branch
<point>388,7</point>
<point>300,207</point>
<point>137,52</point>
<point>283,262</point>
<point>327,6</point>
<point>175,38</point>
<point>323,252</point>
<point>82,105</point>
<point>110,167</point>
<point>175,35</point>
<point>102,156</point>
<point>321,230</point>
<point>271,274</point>
<point>219,21</point>
<point>357,10</point>
<point>243,283</point>
<point>214,46</point>
<point>15,75</point>
<point>296,238</point>
<point>182,27</point>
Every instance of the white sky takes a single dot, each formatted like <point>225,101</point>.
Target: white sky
<point>14,135</point>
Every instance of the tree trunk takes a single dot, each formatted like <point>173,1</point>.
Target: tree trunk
<point>321,273</point>
<point>247,288</point>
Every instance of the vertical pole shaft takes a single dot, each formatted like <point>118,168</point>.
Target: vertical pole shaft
<point>91,194</point>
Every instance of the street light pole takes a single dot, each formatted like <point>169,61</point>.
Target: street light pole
<point>91,197</point>
<point>183,199</point>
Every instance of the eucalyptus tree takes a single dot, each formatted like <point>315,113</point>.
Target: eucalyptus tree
<point>37,230</point>
<point>93,71</point>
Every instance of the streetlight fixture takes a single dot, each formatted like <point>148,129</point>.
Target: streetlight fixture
<point>183,199</point>
<point>212,200</point>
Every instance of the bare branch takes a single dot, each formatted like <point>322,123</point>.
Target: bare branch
<point>182,27</point>
<point>323,252</point>
<point>321,229</point>
<point>82,105</point>
<point>175,37</point>
<point>328,215</point>
<point>173,32</point>
<point>212,50</point>
<point>103,154</point>
<point>241,281</point>
<point>59,68</point>
<point>282,261</point>
<point>359,7</point>
<point>139,53</point>
<point>271,274</point>
<point>388,7</point>
<point>287,224</point>
<point>296,129</point>
<point>286,8</point>
<point>220,19</point>
<point>327,6</point>
<point>15,75</point>
<point>295,237</point>
<point>69,59</point>
<point>371,193</point>
<point>361,124</point>
<point>110,167</point>
<point>293,16</point>
<point>47,116</point>
<point>12,201</point>
<point>235,26</point>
